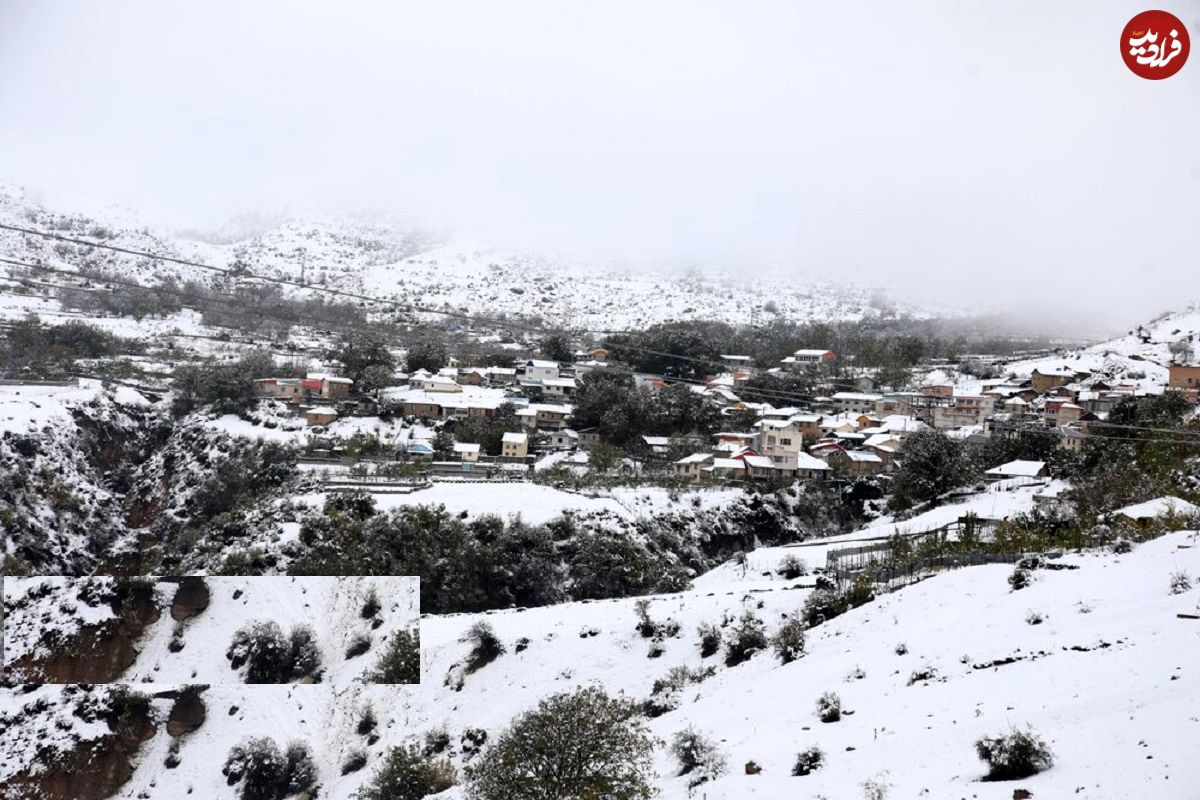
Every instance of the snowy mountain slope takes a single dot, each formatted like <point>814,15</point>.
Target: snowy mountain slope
<point>1107,678</point>
<point>390,261</point>
<point>1139,358</point>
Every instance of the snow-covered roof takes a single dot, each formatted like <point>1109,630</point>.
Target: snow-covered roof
<point>657,441</point>
<point>727,463</point>
<point>887,440</point>
<point>857,396</point>
<point>515,438</point>
<point>860,456</point>
<point>805,461</point>
<point>466,447</point>
<point>1157,507</point>
<point>323,410</point>
<point>762,462</point>
<point>540,364</point>
<point>1018,469</point>
<point>694,458</point>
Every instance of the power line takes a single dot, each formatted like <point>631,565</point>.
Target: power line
<point>259,311</point>
<point>248,275</point>
<point>501,323</point>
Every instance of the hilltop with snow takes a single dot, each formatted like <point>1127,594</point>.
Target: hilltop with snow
<point>396,263</point>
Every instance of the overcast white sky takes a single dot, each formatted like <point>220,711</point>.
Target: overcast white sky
<point>954,149</point>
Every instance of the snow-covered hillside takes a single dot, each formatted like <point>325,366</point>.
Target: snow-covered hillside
<point>1139,358</point>
<point>393,262</point>
<point>1097,656</point>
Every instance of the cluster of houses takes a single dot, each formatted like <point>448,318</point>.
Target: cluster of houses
<point>844,433</point>
<point>317,395</point>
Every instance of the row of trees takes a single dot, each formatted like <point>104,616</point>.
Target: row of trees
<point>608,399</point>
<point>691,349</point>
<point>31,349</point>
<point>486,563</point>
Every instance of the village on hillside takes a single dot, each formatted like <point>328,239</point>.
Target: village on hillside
<point>830,433</point>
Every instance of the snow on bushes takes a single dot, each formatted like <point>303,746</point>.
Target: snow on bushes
<point>400,660</point>
<point>744,639</point>
<point>788,641</point>
<point>700,759</point>
<point>486,647</point>
<point>265,773</point>
<point>808,761</point>
<point>270,657</point>
<point>573,745</point>
<point>1016,754</point>
<point>829,707</point>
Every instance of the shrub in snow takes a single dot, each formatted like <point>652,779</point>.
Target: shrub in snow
<point>1019,579</point>
<point>573,745</point>
<point>1180,582</point>
<point>265,773</point>
<point>269,657</point>
<point>645,625</point>
<point>792,567</point>
<point>699,758</point>
<point>472,741</point>
<point>925,673</point>
<point>405,774</point>
<point>1030,563</point>
<point>876,788</point>
<point>856,674</point>
<point>788,641</point>
<point>354,762</point>
<point>667,691</point>
<point>264,651</point>
<point>400,661</point>
<point>648,628</point>
<point>486,647</point>
<point>901,649</point>
<point>300,773</point>
<point>829,707</point>
<point>822,605</point>
<point>305,656</point>
<point>1034,618</point>
<point>1122,546</point>
<point>359,644</point>
<point>366,722</point>
<point>710,639</point>
<point>656,650</point>
<point>436,741</point>
<point>522,645</point>
<point>861,592</point>
<point>744,639</point>
<point>808,761</point>
<point>1017,754</point>
<point>371,605</point>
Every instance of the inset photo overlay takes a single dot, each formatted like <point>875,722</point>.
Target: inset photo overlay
<point>212,630</point>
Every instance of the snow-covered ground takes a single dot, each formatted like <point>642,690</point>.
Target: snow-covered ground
<point>1107,677</point>
<point>536,503</point>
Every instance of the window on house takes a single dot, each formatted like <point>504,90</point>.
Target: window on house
<point>785,441</point>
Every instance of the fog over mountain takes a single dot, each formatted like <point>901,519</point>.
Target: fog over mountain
<point>993,156</point>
